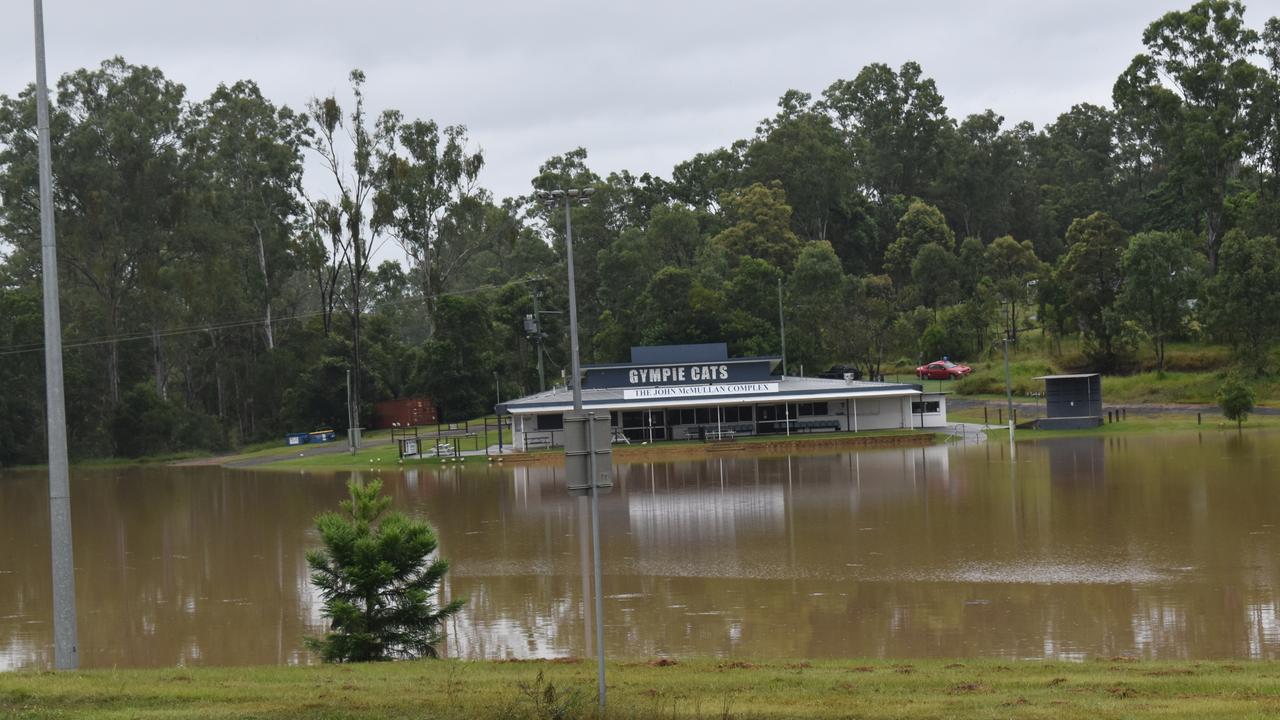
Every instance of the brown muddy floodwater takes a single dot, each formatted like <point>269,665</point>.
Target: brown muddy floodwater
<point>1162,546</point>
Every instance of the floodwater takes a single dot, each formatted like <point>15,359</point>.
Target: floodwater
<point>1163,546</point>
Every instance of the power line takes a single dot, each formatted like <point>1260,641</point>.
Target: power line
<point>227,325</point>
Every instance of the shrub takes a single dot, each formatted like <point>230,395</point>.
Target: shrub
<point>1235,398</point>
<point>377,580</point>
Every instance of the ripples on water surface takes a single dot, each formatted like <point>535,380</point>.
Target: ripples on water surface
<point>1161,546</point>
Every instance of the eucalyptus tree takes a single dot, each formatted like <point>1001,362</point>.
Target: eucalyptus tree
<point>348,223</point>
<point>1189,96</point>
<point>1266,115</point>
<point>870,330</point>
<point>1077,167</point>
<point>119,201</point>
<point>1243,299</point>
<point>978,180</point>
<point>425,172</point>
<point>1090,278</point>
<point>246,157</point>
<point>896,127</point>
<point>758,224</point>
<point>1011,265</point>
<point>936,276</point>
<point>595,227</point>
<point>1162,272</point>
<point>802,149</point>
<point>815,292</point>
<point>920,225</point>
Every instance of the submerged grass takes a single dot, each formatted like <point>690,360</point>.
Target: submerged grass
<point>1138,424</point>
<point>705,688</point>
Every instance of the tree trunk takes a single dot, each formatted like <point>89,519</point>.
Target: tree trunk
<point>217,373</point>
<point>1211,231</point>
<point>113,372</point>
<point>356,277</point>
<point>262,263</point>
<point>157,359</point>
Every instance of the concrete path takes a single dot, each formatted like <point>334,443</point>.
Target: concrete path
<point>970,432</point>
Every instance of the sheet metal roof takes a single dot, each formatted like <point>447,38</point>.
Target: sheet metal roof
<point>1066,377</point>
<point>789,389</point>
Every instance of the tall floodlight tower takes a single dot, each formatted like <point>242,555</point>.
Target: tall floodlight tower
<point>66,654</point>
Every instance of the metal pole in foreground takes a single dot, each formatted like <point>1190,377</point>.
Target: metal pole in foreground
<point>595,556</point>
<point>351,421</point>
<point>66,653</point>
<point>1008,393</point>
<point>569,197</point>
<point>573,304</point>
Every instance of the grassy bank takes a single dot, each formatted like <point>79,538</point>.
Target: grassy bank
<point>1192,374</point>
<point>1163,423</point>
<point>384,457</point>
<point>1112,688</point>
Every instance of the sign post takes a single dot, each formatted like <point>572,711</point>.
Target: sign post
<point>588,468</point>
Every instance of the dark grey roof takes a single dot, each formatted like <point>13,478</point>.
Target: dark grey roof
<point>1066,377</point>
<point>775,359</point>
<point>788,388</point>
<point>672,354</point>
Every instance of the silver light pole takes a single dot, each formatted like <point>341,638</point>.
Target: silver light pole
<point>66,654</point>
<point>569,197</point>
<point>782,329</point>
<point>1008,394</point>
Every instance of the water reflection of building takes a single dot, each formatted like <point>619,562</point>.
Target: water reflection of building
<point>1077,460</point>
<point>694,515</point>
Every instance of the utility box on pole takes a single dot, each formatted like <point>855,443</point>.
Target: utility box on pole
<point>583,442</point>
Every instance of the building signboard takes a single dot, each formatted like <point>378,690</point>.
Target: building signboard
<point>678,374</point>
<point>682,391</point>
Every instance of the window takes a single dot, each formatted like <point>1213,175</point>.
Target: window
<point>930,406</point>
<point>687,416</point>
<point>551,422</point>
<point>744,413</point>
<point>632,419</point>
<point>809,409</point>
<point>703,416</point>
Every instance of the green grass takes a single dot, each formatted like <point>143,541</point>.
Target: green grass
<point>1192,375</point>
<point>1162,422</point>
<point>380,456</point>
<point>707,688</point>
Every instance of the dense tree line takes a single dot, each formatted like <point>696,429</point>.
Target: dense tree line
<point>211,299</point>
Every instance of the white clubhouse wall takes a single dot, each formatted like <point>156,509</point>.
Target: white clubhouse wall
<point>853,415</point>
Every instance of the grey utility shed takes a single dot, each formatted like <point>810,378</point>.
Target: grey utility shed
<point>1071,401</point>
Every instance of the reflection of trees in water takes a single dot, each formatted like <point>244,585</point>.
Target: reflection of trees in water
<point>1164,546</point>
<point>202,566</point>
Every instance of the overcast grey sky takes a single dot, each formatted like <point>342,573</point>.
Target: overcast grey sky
<point>641,85</point>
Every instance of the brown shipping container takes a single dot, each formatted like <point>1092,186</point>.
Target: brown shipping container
<point>405,412</point>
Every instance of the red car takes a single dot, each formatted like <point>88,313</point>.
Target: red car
<point>942,370</point>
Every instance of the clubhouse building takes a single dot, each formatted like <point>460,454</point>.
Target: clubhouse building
<point>685,392</point>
